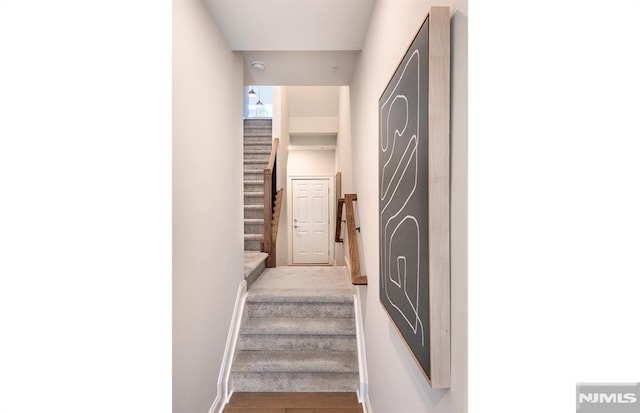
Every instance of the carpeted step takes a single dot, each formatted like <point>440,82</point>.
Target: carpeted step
<point>253,186</point>
<point>253,211</point>
<point>293,342</point>
<point>262,157</point>
<point>295,310</point>
<point>253,174</point>
<point>261,137</point>
<point>252,242</point>
<point>296,361</point>
<point>256,123</point>
<point>257,146</point>
<point>254,198</point>
<point>254,265</point>
<point>255,164</point>
<point>301,295</point>
<point>253,226</point>
<point>305,326</point>
<point>294,382</point>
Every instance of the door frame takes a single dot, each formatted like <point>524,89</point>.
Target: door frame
<point>332,212</point>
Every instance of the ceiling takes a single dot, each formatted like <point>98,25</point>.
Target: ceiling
<point>301,42</point>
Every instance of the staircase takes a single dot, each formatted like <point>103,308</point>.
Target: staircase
<point>257,147</point>
<point>296,337</point>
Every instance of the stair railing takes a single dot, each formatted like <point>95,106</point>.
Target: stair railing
<point>352,237</point>
<point>272,202</point>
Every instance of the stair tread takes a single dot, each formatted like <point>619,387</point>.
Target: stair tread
<point>296,361</point>
<point>253,236</point>
<point>307,326</point>
<point>254,220</point>
<point>258,151</point>
<point>253,206</point>
<point>320,295</point>
<point>296,342</point>
<point>254,193</point>
<point>294,382</point>
<point>299,310</point>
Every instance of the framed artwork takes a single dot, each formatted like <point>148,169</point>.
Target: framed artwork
<point>414,179</point>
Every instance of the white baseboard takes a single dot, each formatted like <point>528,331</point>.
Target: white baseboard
<point>366,406</point>
<point>217,405</point>
<point>224,393</point>
<point>363,391</point>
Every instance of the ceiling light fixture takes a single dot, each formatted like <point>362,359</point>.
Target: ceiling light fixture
<point>259,66</point>
<point>252,93</point>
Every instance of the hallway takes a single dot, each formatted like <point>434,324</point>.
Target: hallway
<point>320,135</point>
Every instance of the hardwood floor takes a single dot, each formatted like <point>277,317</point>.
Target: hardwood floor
<point>293,403</point>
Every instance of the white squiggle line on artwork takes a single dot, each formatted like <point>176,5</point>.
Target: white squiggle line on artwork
<point>396,135</point>
<point>384,144</point>
<point>418,320</point>
<point>388,248</point>
<point>413,190</point>
<point>392,93</point>
<point>402,259</point>
<point>413,154</point>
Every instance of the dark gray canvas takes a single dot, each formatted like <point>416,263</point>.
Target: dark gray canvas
<point>403,180</point>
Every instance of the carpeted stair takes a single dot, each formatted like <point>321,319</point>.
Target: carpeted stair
<point>257,148</point>
<point>297,340</point>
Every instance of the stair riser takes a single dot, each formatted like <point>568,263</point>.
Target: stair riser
<point>251,199</point>
<point>302,327</point>
<point>257,157</point>
<point>295,382</point>
<point>253,213</point>
<point>297,310</point>
<point>253,342</point>
<point>253,187</point>
<point>255,171</point>
<point>252,245</point>
<point>253,176</point>
<point>257,147</point>
<point>260,138</point>
<point>253,228</point>
<point>260,134</point>
<point>257,123</point>
<point>255,164</point>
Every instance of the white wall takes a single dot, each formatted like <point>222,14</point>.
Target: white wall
<point>281,130</point>
<point>313,109</point>
<point>344,159</point>
<point>396,383</point>
<point>313,101</point>
<point>207,233</point>
<point>311,163</point>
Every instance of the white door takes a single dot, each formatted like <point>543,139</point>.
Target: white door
<point>310,241</point>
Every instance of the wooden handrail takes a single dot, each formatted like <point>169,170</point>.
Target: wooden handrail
<point>354,253</point>
<point>274,152</point>
<point>270,195</point>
